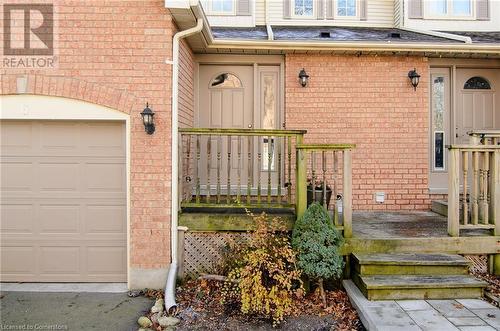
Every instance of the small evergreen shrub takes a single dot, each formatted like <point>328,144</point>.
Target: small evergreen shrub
<point>266,278</point>
<point>317,244</point>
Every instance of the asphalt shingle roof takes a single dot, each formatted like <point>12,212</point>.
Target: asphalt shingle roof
<point>481,37</point>
<point>312,33</point>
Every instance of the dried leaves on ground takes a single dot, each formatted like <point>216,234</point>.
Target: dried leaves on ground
<point>493,289</point>
<point>200,308</point>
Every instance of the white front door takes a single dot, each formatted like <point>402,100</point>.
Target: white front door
<point>476,107</point>
<point>477,102</point>
<point>238,97</point>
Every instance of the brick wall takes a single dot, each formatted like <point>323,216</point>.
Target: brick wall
<point>186,86</point>
<point>367,100</point>
<point>113,53</point>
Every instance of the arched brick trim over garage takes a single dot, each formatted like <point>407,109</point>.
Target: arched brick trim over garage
<point>149,235</point>
<point>67,87</point>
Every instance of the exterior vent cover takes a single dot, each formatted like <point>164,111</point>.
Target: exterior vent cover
<point>396,35</point>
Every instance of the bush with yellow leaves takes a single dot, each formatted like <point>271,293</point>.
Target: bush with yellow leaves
<point>264,278</point>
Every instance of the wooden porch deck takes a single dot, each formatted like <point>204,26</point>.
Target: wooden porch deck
<point>415,232</point>
<point>418,224</point>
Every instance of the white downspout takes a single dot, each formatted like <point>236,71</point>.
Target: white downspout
<point>172,273</point>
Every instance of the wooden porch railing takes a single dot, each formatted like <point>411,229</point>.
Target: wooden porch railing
<point>322,168</point>
<point>242,168</point>
<point>475,169</point>
<point>484,137</point>
<point>249,168</point>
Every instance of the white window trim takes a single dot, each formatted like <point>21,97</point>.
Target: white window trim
<point>303,17</point>
<point>211,12</point>
<point>345,18</point>
<point>449,16</point>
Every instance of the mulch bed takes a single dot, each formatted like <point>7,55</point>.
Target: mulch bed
<point>200,308</point>
<point>479,268</point>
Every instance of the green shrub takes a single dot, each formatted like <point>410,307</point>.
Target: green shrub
<point>318,245</point>
<point>266,278</point>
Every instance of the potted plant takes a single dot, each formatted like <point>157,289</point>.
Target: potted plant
<point>315,192</point>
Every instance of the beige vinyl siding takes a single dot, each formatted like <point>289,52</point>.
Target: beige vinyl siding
<point>398,22</point>
<point>260,12</point>
<point>379,14</point>
<point>456,24</point>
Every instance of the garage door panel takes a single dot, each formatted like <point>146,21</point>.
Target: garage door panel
<point>59,260</point>
<point>18,260</point>
<point>16,138</point>
<point>63,200</point>
<point>16,176</point>
<point>59,176</point>
<point>59,136</point>
<point>103,140</point>
<point>59,219</point>
<point>16,218</point>
<point>105,219</point>
<point>106,260</point>
<point>105,177</point>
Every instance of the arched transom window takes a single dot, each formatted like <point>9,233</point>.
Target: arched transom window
<point>226,80</point>
<point>477,83</point>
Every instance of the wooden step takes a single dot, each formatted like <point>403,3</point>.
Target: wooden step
<point>410,264</point>
<point>401,287</point>
<point>440,207</point>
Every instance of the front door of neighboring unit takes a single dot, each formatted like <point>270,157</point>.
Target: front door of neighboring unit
<point>477,102</point>
<point>237,97</point>
<point>63,201</point>
<point>476,107</point>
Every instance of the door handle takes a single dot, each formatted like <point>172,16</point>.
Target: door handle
<point>250,126</point>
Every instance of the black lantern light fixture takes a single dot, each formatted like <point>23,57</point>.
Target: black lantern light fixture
<point>148,119</point>
<point>414,78</point>
<point>303,77</point>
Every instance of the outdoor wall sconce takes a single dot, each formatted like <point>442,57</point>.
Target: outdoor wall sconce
<point>414,78</point>
<point>147,119</point>
<point>303,77</point>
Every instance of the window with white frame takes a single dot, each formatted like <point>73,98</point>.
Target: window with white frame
<point>303,8</point>
<point>346,8</point>
<point>449,8</point>
<point>219,7</point>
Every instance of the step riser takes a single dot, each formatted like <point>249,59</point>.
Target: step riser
<point>413,276</point>
<point>424,294</point>
<point>418,293</point>
<point>373,269</point>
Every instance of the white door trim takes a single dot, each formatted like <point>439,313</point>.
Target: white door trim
<point>39,107</point>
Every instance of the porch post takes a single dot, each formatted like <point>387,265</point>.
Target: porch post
<point>474,139</point>
<point>301,180</point>
<point>495,208</point>
<point>454,192</point>
<point>347,189</point>
<point>495,192</point>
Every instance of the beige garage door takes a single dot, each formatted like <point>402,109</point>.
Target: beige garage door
<point>63,201</point>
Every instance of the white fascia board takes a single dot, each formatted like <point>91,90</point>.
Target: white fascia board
<point>179,4</point>
<point>356,46</point>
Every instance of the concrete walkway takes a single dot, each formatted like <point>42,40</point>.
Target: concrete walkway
<point>436,315</point>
